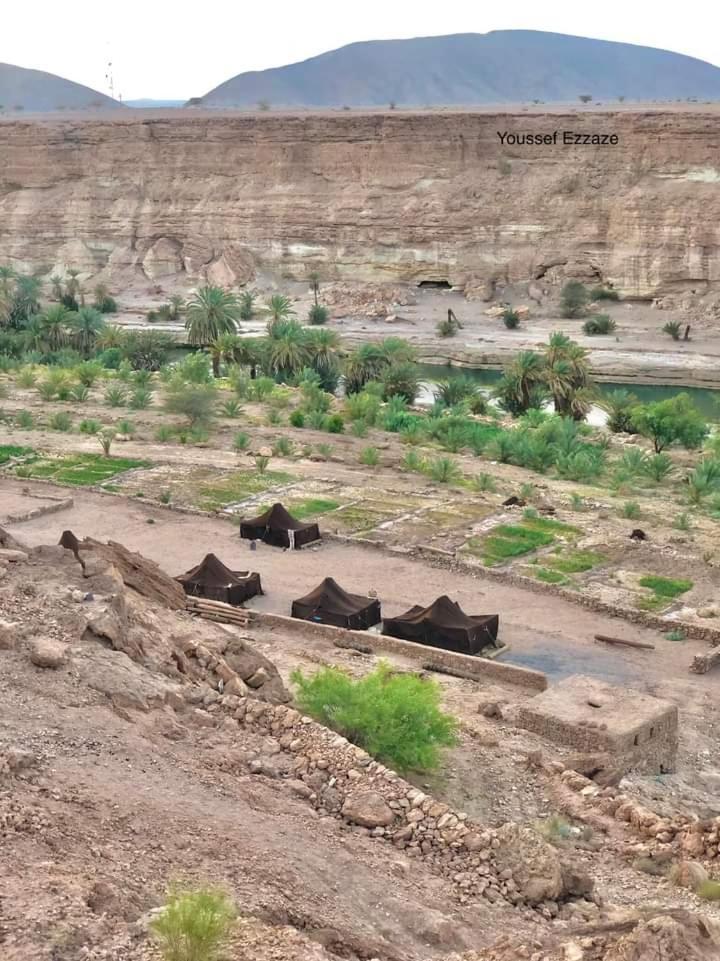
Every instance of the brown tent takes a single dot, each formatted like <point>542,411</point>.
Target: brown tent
<point>330,604</point>
<point>213,580</point>
<point>279,528</point>
<point>444,624</point>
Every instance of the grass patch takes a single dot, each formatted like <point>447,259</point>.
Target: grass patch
<point>10,452</point>
<point>312,507</point>
<point>548,576</point>
<point>708,890</point>
<point>239,485</point>
<point>80,470</point>
<point>507,541</point>
<point>574,562</point>
<point>666,587</point>
<point>357,518</point>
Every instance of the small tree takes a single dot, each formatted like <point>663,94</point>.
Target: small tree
<point>196,402</point>
<point>672,421</point>
<point>585,97</point>
<point>105,439</point>
<point>511,318</point>
<point>573,299</point>
<point>194,925</point>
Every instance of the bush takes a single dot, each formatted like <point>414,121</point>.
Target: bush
<point>60,421</point>
<point>126,428</point>
<point>412,461</point>
<point>141,398</point>
<point>395,717</point>
<point>511,318</point>
<point>297,419</point>
<point>283,447</point>
<point>600,324</point>
<point>194,925</point>
<point>105,440</point>
<point>230,408</point>
<point>334,424</point>
<point>443,470</point>
<point>25,420</point>
<point>620,405</point>
<point>672,328</point>
<point>164,434</point>
<point>708,890</point>
<point>261,463</point>
<point>446,328</point>
<point>370,456</point>
<point>90,426</point>
<point>573,299</point>
<point>658,467</point>
<point>484,482</point>
<point>115,396</point>
<point>241,441</point>
<point>630,510</point>
<point>80,393</point>
<point>194,401</point>
<point>318,314</point>
<point>672,421</point>
<point>401,380</point>
<point>604,293</point>
<point>26,378</point>
<point>88,372</point>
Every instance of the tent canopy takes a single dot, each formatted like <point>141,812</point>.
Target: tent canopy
<point>212,579</point>
<point>330,604</point>
<point>444,624</point>
<point>278,527</point>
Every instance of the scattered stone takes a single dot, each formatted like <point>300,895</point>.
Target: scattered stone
<point>46,652</point>
<point>368,809</point>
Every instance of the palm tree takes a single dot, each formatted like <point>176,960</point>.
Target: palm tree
<point>7,287</point>
<point>86,326</point>
<point>287,355</point>
<point>323,346</point>
<point>56,282</point>
<point>314,281</point>
<point>177,305</point>
<point>280,309</point>
<point>519,389</point>
<point>395,350</point>
<point>112,336</point>
<point>25,300</point>
<point>72,284</point>
<point>53,326</point>
<point>249,352</point>
<point>247,304</point>
<point>210,313</point>
<point>567,375</point>
<point>364,364</point>
<point>225,349</point>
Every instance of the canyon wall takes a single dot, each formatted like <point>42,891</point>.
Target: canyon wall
<point>394,196</point>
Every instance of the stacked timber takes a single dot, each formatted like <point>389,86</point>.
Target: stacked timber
<point>217,611</point>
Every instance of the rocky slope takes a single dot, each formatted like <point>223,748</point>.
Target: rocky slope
<point>469,68</point>
<point>400,196</point>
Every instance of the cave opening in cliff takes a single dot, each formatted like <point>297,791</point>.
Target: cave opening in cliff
<point>435,284</point>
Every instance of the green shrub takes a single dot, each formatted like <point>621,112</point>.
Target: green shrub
<point>673,421</point>
<point>26,378</point>
<point>576,501</point>
<point>484,482</point>
<point>359,428</point>
<point>165,497</point>
<point>231,408</point>
<point>297,419</point>
<point>88,372</point>
<point>262,387</point>
<point>600,324</point>
<point>620,405</point>
<point>395,717</point>
<point>334,424</point>
<point>672,328</point>
<point>325,451</point>
<point>370,456</point>
<point>604,293</point>
<point>511,318</point>
<point>126,428</point>
<point>61,421</point>
<point>682,522</point>
<point>658,467</point>
<point>115,396</point>
<point>261,463</point>
<point>105,439</point>
<point>90,426</point>
<point>630,510</point>
<point>194,925</point>
<point>412,461</point>
<point>675,635</point>
<point>446,327</point>
<point>141,398</point>
<point>194,401</point>
<point>47,390</point>
<point>241,441</point>
<point>573,299</point>
<point>273,418</point>
<point>80,393</point>
<point>25,420</point>
<point>318,314</point>
<point>708,890</point>
<point>164,434</point>
<point>283,447</point>
<point>443,470</point>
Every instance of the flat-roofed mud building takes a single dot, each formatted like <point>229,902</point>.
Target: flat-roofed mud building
<point>640,731</point>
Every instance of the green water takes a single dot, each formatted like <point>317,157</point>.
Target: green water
<point>708,401</point>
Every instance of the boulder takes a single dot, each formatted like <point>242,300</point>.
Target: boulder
<point>137,572</point>
<point>47,652</point>
<point>367,808</point>
<point>535,866</point>
<point>683,936</point>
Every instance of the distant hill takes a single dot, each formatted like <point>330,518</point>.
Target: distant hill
<point>25,89</point>
<point>504,66</point>
<point>149,103</point>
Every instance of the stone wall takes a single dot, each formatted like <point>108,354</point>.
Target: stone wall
<point>475,668</point>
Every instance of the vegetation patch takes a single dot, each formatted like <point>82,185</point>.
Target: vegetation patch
<point>395,717</point>
<point>507,541</point>
<point>574,562</point>
<point>80,470</point>
<point>549,576</point>
<point>665,586</point>
<point>312,507</point>
<point>357,518</point>
<point>237,486</point>
<point>10,452</point>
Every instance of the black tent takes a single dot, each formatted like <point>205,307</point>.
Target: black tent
<point>279,528</point>
<point>330,604</point>
<point>444,624</point>
<point>213,580</point>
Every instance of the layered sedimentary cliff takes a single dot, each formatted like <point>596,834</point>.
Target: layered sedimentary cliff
<point>406,196</point>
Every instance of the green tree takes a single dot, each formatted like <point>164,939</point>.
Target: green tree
<point>395,717</point>
<point>401,380</point>
<point>247,305</point>
<point>521,387</point>
<point>56,284</point>
<point>25,300</point>
<point>144,349</point>
<point>280,309</point>
<point>567,375</point>
<point>86,326</point>
<point>364,364</point>
<point>196,402</point>
<point>619,405</point>
<point>673,421</point>
<point>210,313</point>
<point>573,299</point>
<point>54,322</point>
<point>288,353</point>
<point>224,349</point>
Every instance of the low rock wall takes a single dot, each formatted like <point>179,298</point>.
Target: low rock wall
<point>475,668</point>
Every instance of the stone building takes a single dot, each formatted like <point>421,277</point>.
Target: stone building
<point>582,713</point>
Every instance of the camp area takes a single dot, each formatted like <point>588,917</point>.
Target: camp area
<point>328,603</point>
<point>445,625</point>
<point>277,527</point>
<point>213,580</point>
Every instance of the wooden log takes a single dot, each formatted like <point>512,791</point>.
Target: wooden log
<point>623,642</point>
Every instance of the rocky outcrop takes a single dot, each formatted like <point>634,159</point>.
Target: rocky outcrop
<point>389,197</point>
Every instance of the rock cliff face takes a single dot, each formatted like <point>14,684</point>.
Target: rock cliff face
<point>405,196</point>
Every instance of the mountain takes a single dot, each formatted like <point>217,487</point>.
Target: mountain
<point>503,66</point>
<point>23,89</point>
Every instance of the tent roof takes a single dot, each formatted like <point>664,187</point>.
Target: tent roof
<point>329,596</point>
<point>211,572</point>
<point>276,518</point>
<point>443,614</point>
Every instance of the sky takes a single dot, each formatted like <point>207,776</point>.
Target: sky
<point>173,49</point>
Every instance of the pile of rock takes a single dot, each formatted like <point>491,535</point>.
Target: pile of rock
<point>692,838</point>
<point>368,300</point>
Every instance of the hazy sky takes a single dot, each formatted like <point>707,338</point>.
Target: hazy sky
<point>175,49</point>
